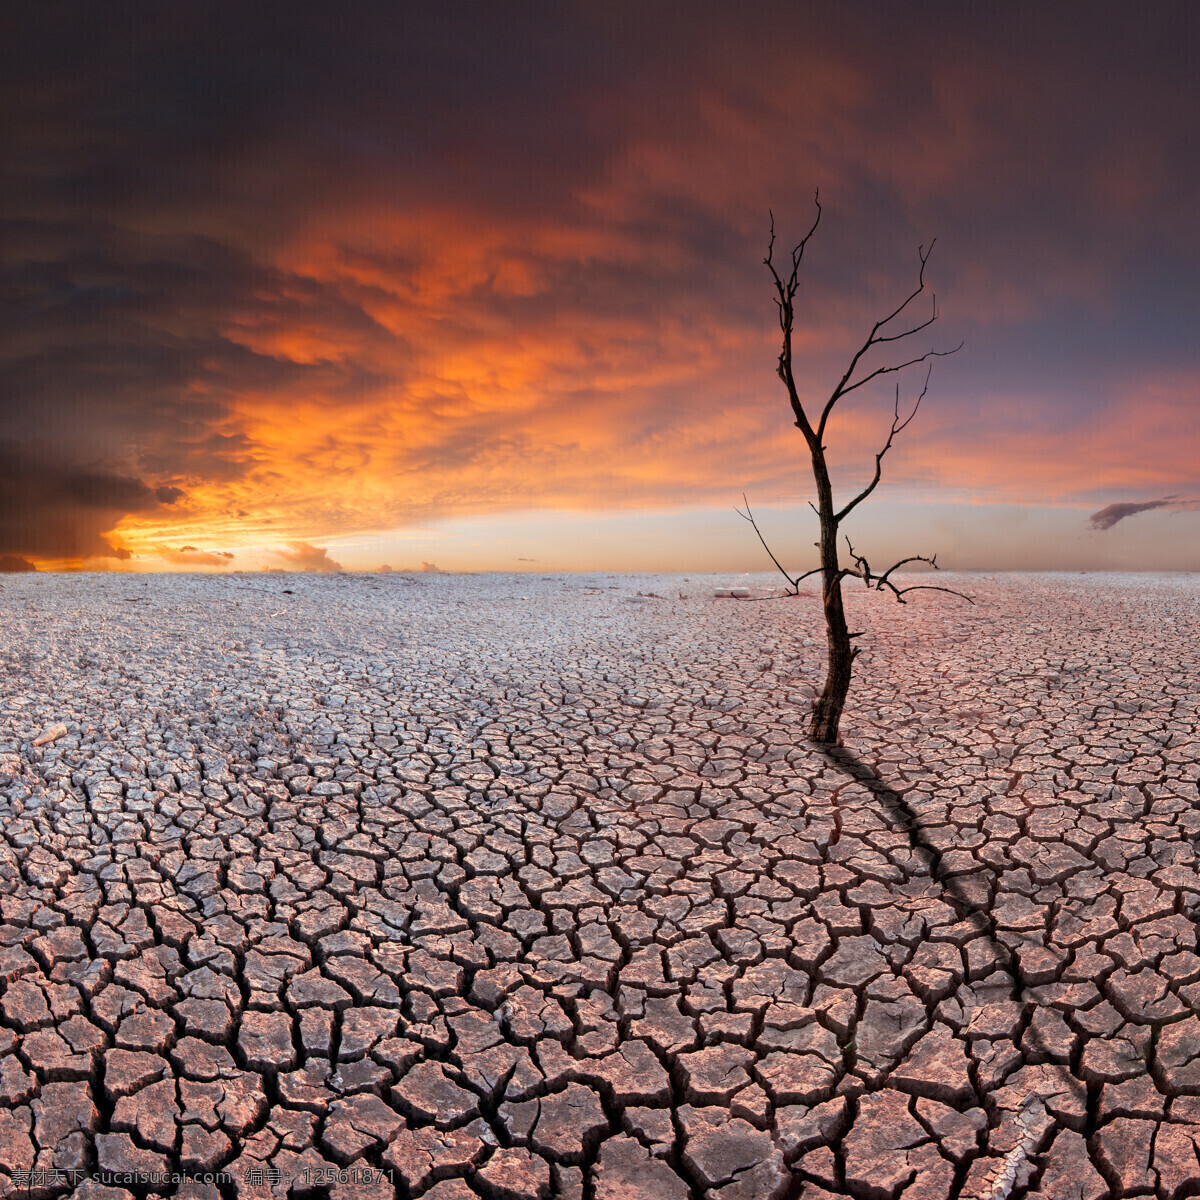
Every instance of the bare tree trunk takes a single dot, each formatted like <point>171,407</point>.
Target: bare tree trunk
<point>827,709</point>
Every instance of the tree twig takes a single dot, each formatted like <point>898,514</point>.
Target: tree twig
<point>875,338</point>
<point>785,303</point>
<point>897,427</point>
<point>879,582</point>
<point>749,516</point>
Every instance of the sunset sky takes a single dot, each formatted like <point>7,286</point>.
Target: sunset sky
<point>305,284</point>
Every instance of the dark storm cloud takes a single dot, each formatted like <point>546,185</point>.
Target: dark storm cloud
<point>160,151</point>
<point>56,510</point>
<point>166,160</point>
<point>137,105</point>
<point>112,341</point>
<point>1108,516</point>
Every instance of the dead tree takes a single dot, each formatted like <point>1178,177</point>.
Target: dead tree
<point>827,708</point>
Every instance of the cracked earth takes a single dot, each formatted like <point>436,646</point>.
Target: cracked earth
<point>523,888</point>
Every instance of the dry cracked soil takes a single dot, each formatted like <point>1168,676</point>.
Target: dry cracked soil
<point>521,888</point>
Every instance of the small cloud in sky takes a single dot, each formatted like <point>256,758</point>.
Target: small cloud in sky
<point>386,569</point>
<point>168,495</point>
<point>1108,516</point>
<point>303,557</point>
<point>192,556</point>
<point>432,569</point>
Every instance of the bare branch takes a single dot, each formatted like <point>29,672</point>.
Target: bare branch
<point>844,573</point>
<point>883,579</point>
<point>878,338</point>
<point>879,582</point>
<point>797,250</point>
<point>916,404</point>
<point>897,427</point>
<point>912,362</point>
<point>897,337</point>
<point>785,297</point>
<point>749,516</point>
<point>923,255</point>
<point>932,587</point>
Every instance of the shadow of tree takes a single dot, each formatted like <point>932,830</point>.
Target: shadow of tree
<point>901,815</point>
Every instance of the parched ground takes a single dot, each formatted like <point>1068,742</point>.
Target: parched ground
<point>518,887</point>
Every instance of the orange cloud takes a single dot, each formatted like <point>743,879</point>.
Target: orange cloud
<point>189,556</point>
<point>300,556</point>
<point>472,408</point>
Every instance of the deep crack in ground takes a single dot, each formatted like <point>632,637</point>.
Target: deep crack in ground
<point>518,887</point>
